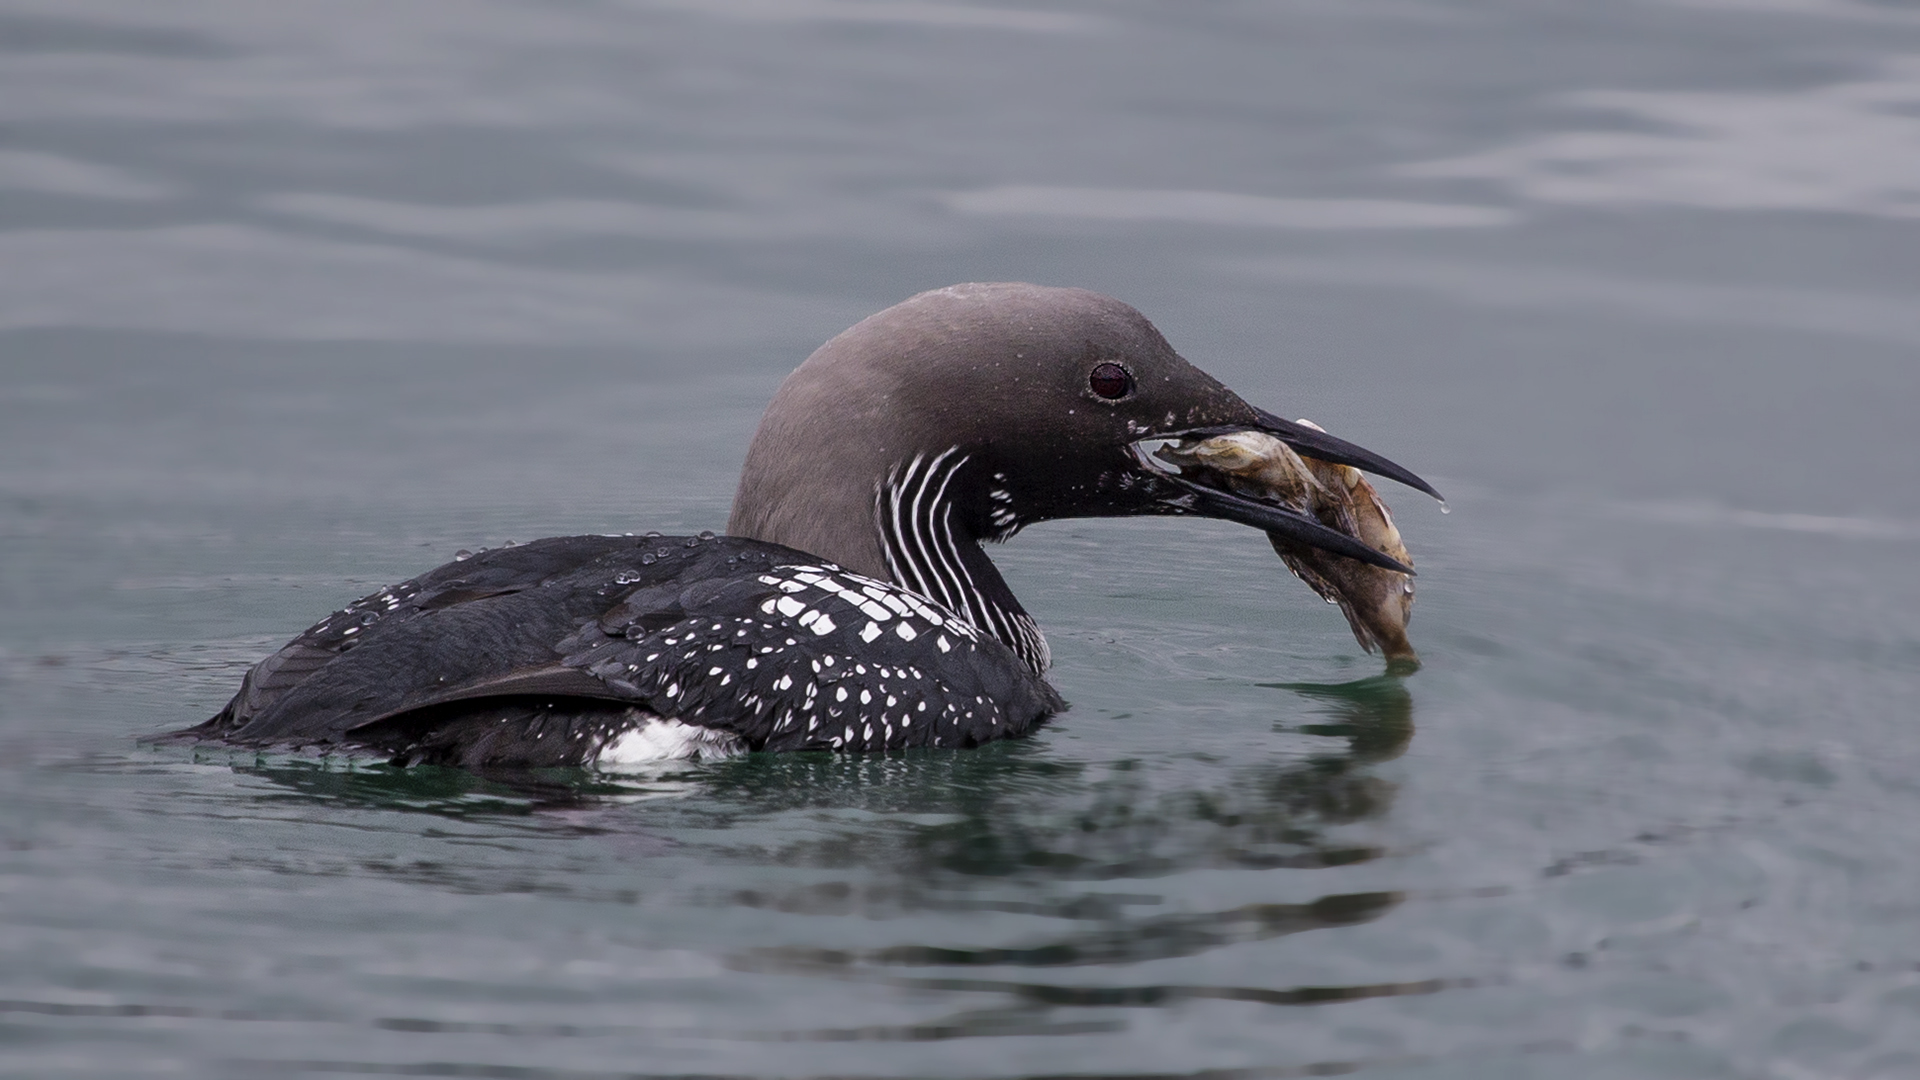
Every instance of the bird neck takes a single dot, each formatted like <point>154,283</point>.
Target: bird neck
<point>930,546</point>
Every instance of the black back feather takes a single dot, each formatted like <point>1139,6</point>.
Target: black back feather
<point>741,636</point>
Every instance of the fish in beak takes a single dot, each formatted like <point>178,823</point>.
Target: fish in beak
<point>1323,518</point>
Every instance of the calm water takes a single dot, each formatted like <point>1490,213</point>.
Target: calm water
<point>297,299</point>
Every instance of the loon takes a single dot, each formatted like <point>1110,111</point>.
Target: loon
<point>850,608</point>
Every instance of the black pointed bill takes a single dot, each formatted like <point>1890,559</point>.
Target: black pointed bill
<point>1315,443</point>
<point>1207,501</point>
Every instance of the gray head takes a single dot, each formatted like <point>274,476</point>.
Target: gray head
<point>966,413</point>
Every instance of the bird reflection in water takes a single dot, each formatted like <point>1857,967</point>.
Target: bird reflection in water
<point>1004,829</point>
<point>1375,715</point>
<point>1004,849</point>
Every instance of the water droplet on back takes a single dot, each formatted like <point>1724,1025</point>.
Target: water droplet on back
<point>626,577</point>
<point>706,534</point>
<point>462,555</point>
<point>649,559</point>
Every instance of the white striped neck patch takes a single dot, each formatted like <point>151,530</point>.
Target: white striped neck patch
<point>930,550</point>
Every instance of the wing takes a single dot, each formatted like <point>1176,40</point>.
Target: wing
<point>474,627</point>
<point>735,635</point>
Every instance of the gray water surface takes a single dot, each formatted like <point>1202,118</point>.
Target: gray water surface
<point>298,299</point>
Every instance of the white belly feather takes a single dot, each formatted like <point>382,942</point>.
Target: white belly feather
<point>656,740</point>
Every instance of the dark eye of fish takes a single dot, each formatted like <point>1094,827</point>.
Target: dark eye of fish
<point>1111,381</point>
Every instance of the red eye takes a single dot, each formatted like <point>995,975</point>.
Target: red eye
<point>1111,381</point>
